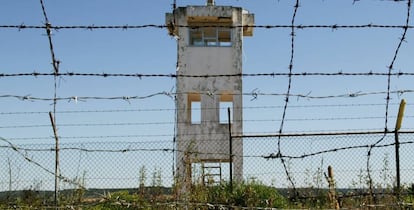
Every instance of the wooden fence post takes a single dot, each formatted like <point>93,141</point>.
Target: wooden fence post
<point>332,188</point>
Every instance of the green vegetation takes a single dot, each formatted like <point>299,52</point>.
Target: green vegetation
<point>246,194</point>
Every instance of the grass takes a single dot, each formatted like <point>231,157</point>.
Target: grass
<point>247,194</point>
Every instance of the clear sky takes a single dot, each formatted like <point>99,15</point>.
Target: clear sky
<point>151,51</point>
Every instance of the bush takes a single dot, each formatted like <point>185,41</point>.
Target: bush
<point>245,194</point>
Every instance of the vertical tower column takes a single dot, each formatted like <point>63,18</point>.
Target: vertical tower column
<point>209,43</point>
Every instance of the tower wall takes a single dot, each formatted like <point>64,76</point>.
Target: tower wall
<point>208,139</point>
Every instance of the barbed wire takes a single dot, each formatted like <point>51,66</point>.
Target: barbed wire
<point>23,152</point>
<point>282,121</point>
<point>143,75</point>
<point>25,156</point>
<point>254,94</point>
<point>85,98</point>
<point>92,27</point>
<point>390,68</point>
<point>55,64</point>
<point>129,148</point>
<point>366,146</point>
<point>48,28</point>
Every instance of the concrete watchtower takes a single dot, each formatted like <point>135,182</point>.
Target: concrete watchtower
<point>209,40</point>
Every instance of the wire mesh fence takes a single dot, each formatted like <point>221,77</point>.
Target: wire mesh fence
<point>308,157</point>
<point>129,167</point>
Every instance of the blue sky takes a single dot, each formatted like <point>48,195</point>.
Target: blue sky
<point>151,50</point>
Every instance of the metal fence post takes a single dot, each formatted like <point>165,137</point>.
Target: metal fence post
<point>397,147</point>
<point>57,173</point>
<point>230,150</point>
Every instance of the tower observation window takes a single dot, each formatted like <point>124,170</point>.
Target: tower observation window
<point>194,108</point>
<point>210,37</point>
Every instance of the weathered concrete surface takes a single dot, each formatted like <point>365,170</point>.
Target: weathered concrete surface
<point>208,141</point>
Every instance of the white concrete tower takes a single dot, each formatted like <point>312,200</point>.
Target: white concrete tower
<point>209,40</point>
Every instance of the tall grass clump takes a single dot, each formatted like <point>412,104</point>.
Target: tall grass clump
<point>244,194</point>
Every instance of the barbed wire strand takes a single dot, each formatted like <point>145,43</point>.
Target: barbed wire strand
<point>172,150</point>
<point>30,160</point>
<point>55,64</point>
<point>129,149</point>
<point>292,54</point>
<point>124,150</point>
<point>163,26</point>
<point>254,94</point>
<point>390,68</point>
<point>275,156</point>
<point>264,74</point>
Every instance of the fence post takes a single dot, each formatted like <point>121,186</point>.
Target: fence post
<point>397,147</point>
<point>332,190</point>
<point>57,173</point>
<point>230,151</point>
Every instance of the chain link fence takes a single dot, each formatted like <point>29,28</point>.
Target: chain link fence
<point>308,156</point>
<point>292,164</point>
